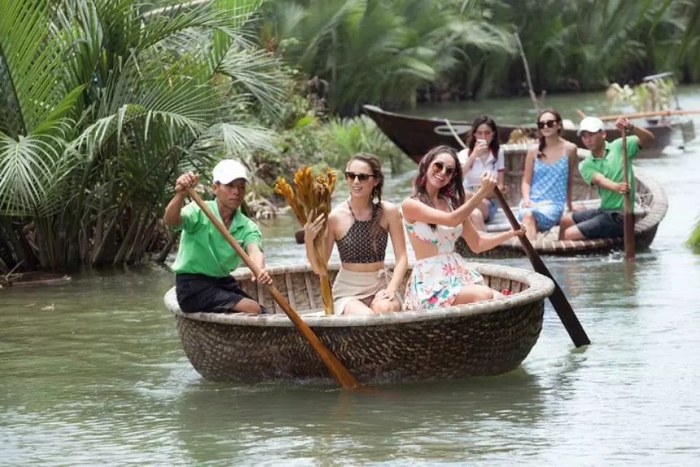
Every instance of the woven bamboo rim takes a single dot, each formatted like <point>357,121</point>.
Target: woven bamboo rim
<point>539,287</point>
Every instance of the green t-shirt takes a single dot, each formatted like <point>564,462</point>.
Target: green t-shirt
<point>610,166</point>
<point>203,250</point>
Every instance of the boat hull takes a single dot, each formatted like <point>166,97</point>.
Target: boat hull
<point>482,339</point>
<point>416,136</point>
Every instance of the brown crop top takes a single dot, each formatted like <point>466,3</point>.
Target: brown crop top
<point>358,246</point>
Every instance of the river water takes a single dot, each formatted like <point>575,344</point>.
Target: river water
<point>92,372</point>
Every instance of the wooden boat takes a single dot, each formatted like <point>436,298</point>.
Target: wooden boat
<point>416,136</point>
<point>481,339</point>
<point>651,205</point>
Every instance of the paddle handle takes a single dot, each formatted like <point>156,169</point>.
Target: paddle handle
<point>337,369</point>
<point>558,300</point>
<point>628,221</point>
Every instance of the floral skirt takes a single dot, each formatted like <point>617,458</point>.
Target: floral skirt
<point>436,281</point>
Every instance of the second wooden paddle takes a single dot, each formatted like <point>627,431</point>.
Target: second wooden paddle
<point>557,299</point>
<point>629,215</point>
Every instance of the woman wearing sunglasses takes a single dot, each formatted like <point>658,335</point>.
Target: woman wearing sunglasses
<point>548,175</point>
<point>436,215</point>
<point>484,154</point>
<point>360,228</point>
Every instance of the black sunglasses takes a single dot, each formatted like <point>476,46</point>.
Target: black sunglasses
<point>440,167</point>
<point>546,123</point>
<point>352,176</point>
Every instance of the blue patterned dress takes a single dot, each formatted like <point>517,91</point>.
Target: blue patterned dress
<point>547,193</point>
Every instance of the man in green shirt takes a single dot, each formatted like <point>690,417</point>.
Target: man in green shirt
<point>205,259</point>
<point>603,169</point>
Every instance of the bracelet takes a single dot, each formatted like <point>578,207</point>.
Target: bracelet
<point>629,127</point>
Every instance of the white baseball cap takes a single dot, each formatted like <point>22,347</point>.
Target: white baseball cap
<point>591,125</point>
<point>227,171</point>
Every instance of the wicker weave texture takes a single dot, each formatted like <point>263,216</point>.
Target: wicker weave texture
<point>481,339</point>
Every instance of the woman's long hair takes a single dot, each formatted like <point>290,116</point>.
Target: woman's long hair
<point>543,141</point>
<point>376,166</point>
<point>453,191</point>
<point>494,146</point>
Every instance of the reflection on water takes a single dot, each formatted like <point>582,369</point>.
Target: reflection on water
<point>92,371</point>
<point>398,421</point>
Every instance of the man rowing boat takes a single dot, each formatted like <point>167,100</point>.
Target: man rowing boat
<point>205,259</point>
<point>603,169</point>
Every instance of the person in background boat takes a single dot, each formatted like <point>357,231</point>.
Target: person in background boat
<point>360,228</point>
<point>603,169</point>
<point>205,259</point>
<point>548,176</point>
<point>484,154</point>
<point>436,215</point>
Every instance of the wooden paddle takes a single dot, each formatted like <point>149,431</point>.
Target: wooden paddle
<point>655,113</point>
<point>629,216</point>
<point>339,372</point>
<point>557,299</point>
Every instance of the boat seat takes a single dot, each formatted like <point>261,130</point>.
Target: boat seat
<point>500,223</point>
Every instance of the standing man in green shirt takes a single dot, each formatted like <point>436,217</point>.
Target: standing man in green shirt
<point>205,259</point>
<point>603,169</point>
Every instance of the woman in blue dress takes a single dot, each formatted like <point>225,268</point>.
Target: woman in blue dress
<point>548,175</point>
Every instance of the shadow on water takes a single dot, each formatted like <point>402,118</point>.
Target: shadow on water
<point>452,417</point>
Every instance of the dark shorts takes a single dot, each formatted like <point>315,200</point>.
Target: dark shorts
<point>196,292</point>
<point>599,223</point>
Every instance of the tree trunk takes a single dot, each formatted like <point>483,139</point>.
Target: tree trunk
<point>133,251</point>
<point>148,237</point>
<point>163,255</point>
<point>127,241</point>
<point>99,257</point>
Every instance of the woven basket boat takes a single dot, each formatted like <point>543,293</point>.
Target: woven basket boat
<point>480,339</point>
<point>650,208</point>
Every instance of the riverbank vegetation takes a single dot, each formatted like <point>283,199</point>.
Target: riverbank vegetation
<point>399,52</point>
<point>104,102</point>
<point>694,240</point>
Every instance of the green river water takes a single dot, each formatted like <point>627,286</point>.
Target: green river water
<point>92,371</point>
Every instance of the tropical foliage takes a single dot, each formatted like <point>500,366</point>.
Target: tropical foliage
<point>307,136</point>
<point>374,50</point>
<point>102,103</point>
<point>388,51</point>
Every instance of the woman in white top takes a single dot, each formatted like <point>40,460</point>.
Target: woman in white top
<point>484,154</point>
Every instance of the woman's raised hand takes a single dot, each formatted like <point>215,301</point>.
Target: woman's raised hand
<point>488,182</point>
<point>481,149</point>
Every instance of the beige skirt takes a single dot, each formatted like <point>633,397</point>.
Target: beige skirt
<point>363,286</point>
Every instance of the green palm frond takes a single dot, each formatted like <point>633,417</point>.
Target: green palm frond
<point>26,40</point>
<point>257,73</point>
<point>144,96</point>
<point>30,169</point>
<point>239,139</point>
